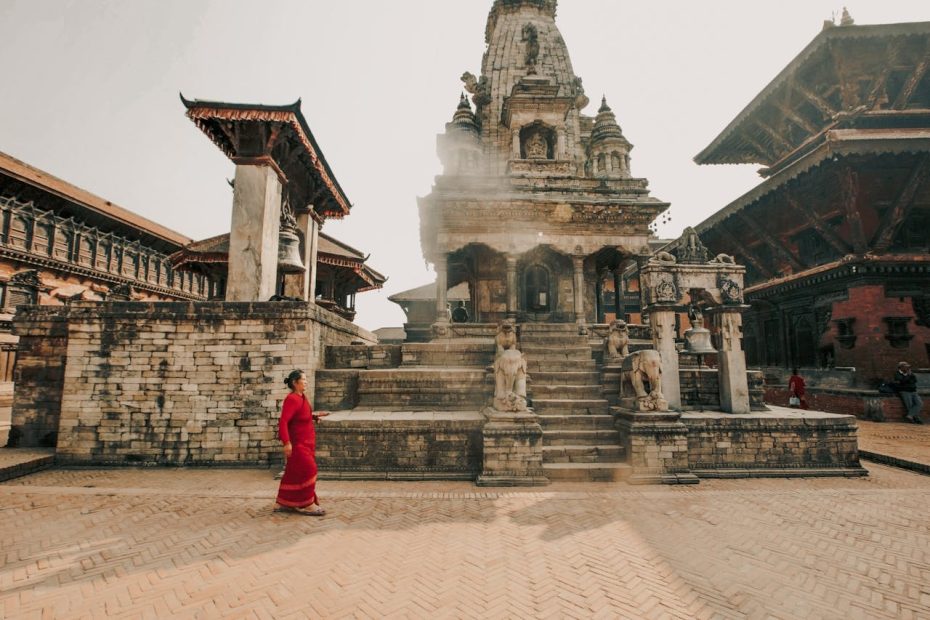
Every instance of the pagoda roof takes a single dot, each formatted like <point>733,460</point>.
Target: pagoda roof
<point>49,192</point>
<point>215,119</point>
<point>331,251</point>
<point>819,90</point>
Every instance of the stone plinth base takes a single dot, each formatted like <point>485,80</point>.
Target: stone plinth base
<point>656,447</point>
<point>782,443</point>
<point>512,450</point>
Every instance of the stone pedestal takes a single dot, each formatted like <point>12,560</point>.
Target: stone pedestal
<point>512,450</point>
<point>734,386</point>
<point>253,237</point>
<point>662,320</point>
<point>656,447</point>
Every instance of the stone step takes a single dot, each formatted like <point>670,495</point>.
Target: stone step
<point>556,353</point>
<point>552,339</point>
<point>564,392</point>
<point>606,453</point>
<point>423,388</point>
<point>577,422</point>
<point>534,365</point>
<point>561,406</point>
<point>566,378</point>
<point>447,353</point>
<point>587,472</point>
<point>580,438</point>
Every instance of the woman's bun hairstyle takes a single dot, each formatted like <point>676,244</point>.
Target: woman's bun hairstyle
<point>294,376</point>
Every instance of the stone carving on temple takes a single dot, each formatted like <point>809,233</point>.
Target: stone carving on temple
<point>531,37</point>
<point>617,342</point>
<point>691,251</point>
<point>536,146</point>
<point>665,290</point>
<point>510,381</point>
<point>730,290</point>
<point>506,337</point>
<point>638,369</point>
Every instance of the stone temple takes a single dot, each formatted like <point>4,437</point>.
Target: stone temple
<point>536,210</point>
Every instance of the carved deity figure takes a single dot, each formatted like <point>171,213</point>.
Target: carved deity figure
<point>510,381</point>
<point>617,343</point>
<point>506,337</point>
<point>531,36</point>
<point>536,146</point>
<point>637,369</point>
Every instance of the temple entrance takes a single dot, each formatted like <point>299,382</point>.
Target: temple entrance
<point>538,294</point>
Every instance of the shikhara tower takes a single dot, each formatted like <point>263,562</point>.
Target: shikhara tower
<point>536,207</point>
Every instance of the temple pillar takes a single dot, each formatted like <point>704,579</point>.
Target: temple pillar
<point>731,361</point>
<point>515,139</point>
<point>578,265</point>
<point>619,308</point>
<point>442,287</point>
<point>662,320</point>
<point>511,287</point>
<point>303,285</point>
<point>253,238</point>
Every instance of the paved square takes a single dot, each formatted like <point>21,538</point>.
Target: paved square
<point>151,543</point>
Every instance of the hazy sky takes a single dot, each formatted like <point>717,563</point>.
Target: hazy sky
<point>89,92</point>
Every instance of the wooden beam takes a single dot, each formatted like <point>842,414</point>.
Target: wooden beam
<point>744,252</point>
<point>776,137</point>
<point>892,51</point>
<point>822,228</point>
<point>849,87</point>
<point>907,91</point>
<point>761,149</point>
<point>849,196</point>
<point>817,101</point>
<point>797,119</point>
<point>778,246</point>
<point>902,206</point>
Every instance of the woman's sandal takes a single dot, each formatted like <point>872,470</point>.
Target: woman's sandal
<point>310,512</point>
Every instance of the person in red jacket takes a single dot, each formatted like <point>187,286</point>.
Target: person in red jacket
<point>297,491</point>
<point>796,390</point>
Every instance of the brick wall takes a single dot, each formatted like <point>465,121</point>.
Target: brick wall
<point>864,404</point>
<point>362,356</point>
<point>169,383</point>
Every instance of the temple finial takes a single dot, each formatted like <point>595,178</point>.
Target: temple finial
<point>846,19</point>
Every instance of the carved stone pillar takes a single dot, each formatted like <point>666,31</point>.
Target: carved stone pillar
<point>253,238</point>
<point>515,139</point>
<point>511,287</point>
<point>662,319</point>
<point>578,265</point>
<point>442,286</point>
<point>731,361</point>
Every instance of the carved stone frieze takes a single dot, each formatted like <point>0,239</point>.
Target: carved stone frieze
<point>730,290</point>
<point>665,290</point>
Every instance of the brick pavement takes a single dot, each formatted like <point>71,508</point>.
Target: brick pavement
<point>152,543</point>
<point>899,443</point>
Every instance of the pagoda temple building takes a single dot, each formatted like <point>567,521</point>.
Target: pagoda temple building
<point>536,205</point>
<point>835,238</point>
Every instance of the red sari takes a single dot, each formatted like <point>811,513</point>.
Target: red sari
<point>298,485</point>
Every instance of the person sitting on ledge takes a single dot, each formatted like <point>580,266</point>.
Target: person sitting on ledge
<point>905,382</point>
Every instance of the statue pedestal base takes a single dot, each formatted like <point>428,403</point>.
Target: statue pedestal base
<point>512,450</point>
<point>656,446</point>
<point>646,404</point>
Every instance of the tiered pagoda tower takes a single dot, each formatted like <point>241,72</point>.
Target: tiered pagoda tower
<point>536,207</point>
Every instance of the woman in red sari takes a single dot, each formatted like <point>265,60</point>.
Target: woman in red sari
<point>297,492</point>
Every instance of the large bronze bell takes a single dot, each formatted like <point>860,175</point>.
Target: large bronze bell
<point>289,252</point>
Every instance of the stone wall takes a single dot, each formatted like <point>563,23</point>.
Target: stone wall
<point>166,383</point>
<point>778,443</point>
<point>362,356</point>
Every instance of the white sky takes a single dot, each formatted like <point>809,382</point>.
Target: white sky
<point>89,92</point>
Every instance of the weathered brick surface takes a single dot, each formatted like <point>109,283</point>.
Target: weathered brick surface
<point>175,383</point>
<point>864,404</point>
<point>362,356</point>
<point>778,441</point>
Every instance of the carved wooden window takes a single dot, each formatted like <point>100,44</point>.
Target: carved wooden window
<point>41,239</point>
<point>18,228</point>
<point>844,332</point>
<point>537,289</point>
<point>62,249</point>
<point>897,333</point>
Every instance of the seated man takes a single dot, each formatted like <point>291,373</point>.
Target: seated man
<point>460,314</point>
<point>905,382</point>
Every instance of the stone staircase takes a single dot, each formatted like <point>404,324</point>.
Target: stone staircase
<point>580,442</point>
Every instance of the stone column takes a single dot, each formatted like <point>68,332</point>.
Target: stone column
<point>731,361</point>
<point>303,285</point>
<point>578,264</point>
<point>442,286</point>
<point>253,238</point>
<point>515,139</point>
<point>618,295</point>
<point>511,287</point>
<point>662,319</point>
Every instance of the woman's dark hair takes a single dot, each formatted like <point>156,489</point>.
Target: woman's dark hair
<point>294,376</point>
<point>794,370</point>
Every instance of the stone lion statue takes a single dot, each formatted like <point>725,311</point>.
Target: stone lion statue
<point>724,259</point>
<point>617,343</point>
<point>506,337</point>
<point>638,368</point>
<point>510,381</point>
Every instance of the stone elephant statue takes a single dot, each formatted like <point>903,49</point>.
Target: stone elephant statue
<point>638,368</point>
